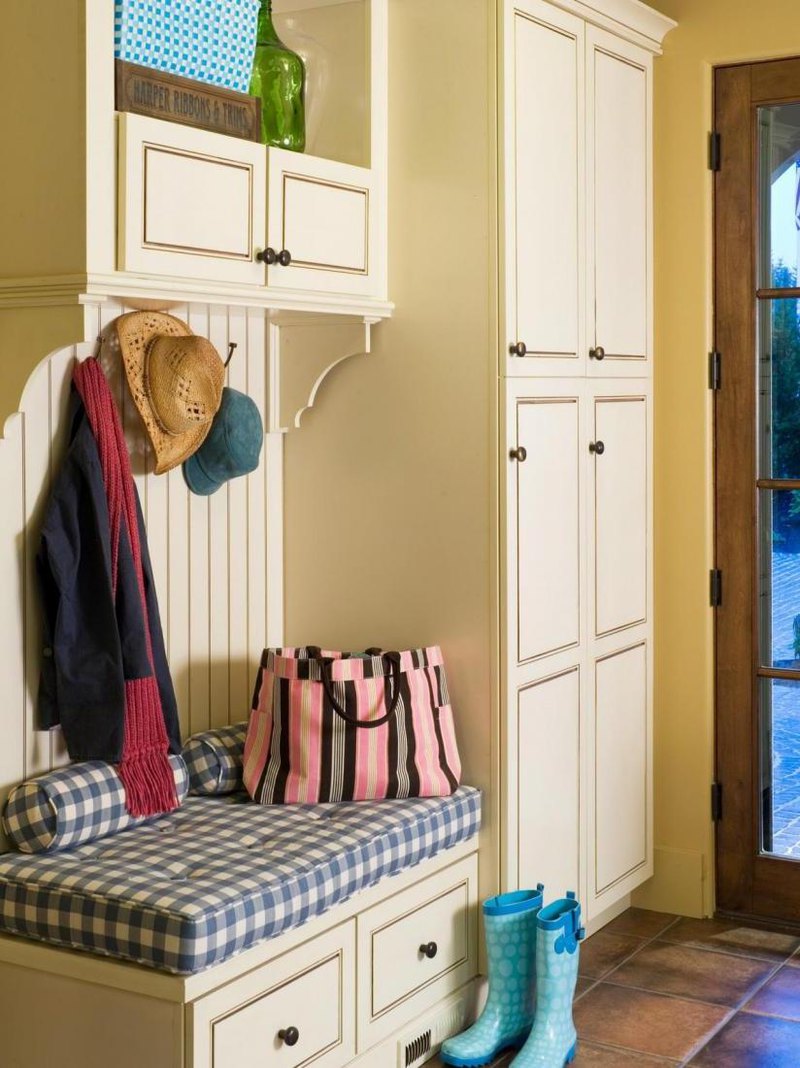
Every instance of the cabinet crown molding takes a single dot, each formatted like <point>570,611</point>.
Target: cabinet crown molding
<point>629,19</point>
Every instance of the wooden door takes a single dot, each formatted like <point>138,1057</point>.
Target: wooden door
<point>619,205</point>
<point>757,451</point>
<point>544,160</point>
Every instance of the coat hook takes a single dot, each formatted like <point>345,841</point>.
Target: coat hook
<point>232,347</point>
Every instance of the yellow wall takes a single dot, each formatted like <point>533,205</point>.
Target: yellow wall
<point>388,479</point>
<point>710,32</point>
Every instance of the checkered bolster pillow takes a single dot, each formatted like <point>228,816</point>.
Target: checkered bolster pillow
<point>73,805</point>
<point>215,760</point>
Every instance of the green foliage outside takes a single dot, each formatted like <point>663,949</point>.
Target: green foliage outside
<point>785,366</point>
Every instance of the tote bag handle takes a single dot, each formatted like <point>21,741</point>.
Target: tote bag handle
<point>393,659</point>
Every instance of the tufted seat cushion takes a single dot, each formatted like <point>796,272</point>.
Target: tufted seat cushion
<point>221,874</point>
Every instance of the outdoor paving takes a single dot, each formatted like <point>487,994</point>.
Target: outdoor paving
<point>785,709</point>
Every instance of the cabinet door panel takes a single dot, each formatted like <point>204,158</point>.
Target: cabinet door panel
<point>621,766</point>
<point>548,526</point>
<point>619,200</point>
<point>323,214</point>
<point>549,783</point>
<point>621,513</point>
<point>548,135</point>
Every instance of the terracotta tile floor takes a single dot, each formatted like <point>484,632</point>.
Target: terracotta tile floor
<point>661,990</point>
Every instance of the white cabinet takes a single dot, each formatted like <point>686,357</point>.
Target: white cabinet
<point>545,509</point>
<point>576,497</point>
<point>548,781</point>
<point>619,201</point>
<point>324,215</point>
<point>621,795</point>
<point>620,532</point>
<point>545,159</point>
<point>191,203</point>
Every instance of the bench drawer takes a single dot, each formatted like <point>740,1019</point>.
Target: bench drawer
<point>415,948</point>
<point>192,204</point>
<point>298,1010</point>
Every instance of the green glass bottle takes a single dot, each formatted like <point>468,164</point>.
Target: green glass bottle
<point>279,79</point>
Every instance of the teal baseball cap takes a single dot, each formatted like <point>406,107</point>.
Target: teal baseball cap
<point>232,447</point>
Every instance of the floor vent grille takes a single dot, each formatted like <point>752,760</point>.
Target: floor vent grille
<point>418,1048</point>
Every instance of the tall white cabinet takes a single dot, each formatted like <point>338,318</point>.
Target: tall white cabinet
<point>576,446</point>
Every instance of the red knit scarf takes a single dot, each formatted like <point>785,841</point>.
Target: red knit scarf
<point>145,769</point>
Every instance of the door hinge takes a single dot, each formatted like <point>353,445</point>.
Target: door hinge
<point>716,801</point>
<point>714,151</point>
<point>715,587</point>
<point>714,370</point>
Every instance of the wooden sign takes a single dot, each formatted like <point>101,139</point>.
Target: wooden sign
<point>167,96</point>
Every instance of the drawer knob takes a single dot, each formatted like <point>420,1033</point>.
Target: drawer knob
<point>520,454</point>
<point>289,1036</point>
<point>519,348</point>
<point>268,256</point>
<point>429,950</point>
<point>598,353</point>
<point>597,447</point>
<point>284,258</point>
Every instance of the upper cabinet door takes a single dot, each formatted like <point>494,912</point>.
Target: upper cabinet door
<point>322,226</point>
<point>544,197</point>
<point>191,203</point>
<point>619,206</point>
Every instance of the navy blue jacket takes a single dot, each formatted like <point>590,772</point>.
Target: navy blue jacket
<point>91,644</point>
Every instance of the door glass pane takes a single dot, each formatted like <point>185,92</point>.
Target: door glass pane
<point>780,767</point>
<point>779,388</point>
<point>779,585</point>
<point>779,156</point>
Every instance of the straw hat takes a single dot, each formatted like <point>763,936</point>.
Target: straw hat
<point>175,379</point>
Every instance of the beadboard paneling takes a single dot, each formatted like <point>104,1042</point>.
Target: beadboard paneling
<point>209,555</point>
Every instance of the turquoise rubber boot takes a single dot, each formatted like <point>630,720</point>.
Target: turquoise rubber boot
<point>510,924</point>
<point>553,1042</point>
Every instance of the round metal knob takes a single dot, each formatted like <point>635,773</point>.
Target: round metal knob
<point>597,447</point>
<point>430,950</point>
<point>519,348</point>
<point>520,454</point>
<point>289,1036</point>
<point>268,256</point>
<point>284,258</point>
<point>598,353</point>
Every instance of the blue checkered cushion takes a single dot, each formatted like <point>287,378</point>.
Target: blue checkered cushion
<point>221,874</point>
<point>215,759</point>
<point>75,804</point>
<point>207,40</point>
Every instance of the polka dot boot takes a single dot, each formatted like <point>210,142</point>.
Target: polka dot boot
<point>553,1041</point>
<point>510,926</point>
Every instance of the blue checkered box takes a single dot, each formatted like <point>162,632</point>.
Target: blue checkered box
<point>208,40</point>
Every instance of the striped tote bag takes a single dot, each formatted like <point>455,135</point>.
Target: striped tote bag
<point>330,726</point>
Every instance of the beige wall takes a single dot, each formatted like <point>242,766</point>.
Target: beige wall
<point>710,32</point>
<point>388,479</point>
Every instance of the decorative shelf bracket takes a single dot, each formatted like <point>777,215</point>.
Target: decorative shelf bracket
<point>303,353</point>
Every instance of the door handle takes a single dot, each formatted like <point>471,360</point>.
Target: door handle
<point>597,447</point>
<point>520,454</point>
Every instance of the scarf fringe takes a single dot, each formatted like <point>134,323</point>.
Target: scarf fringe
<point>145,769</point>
